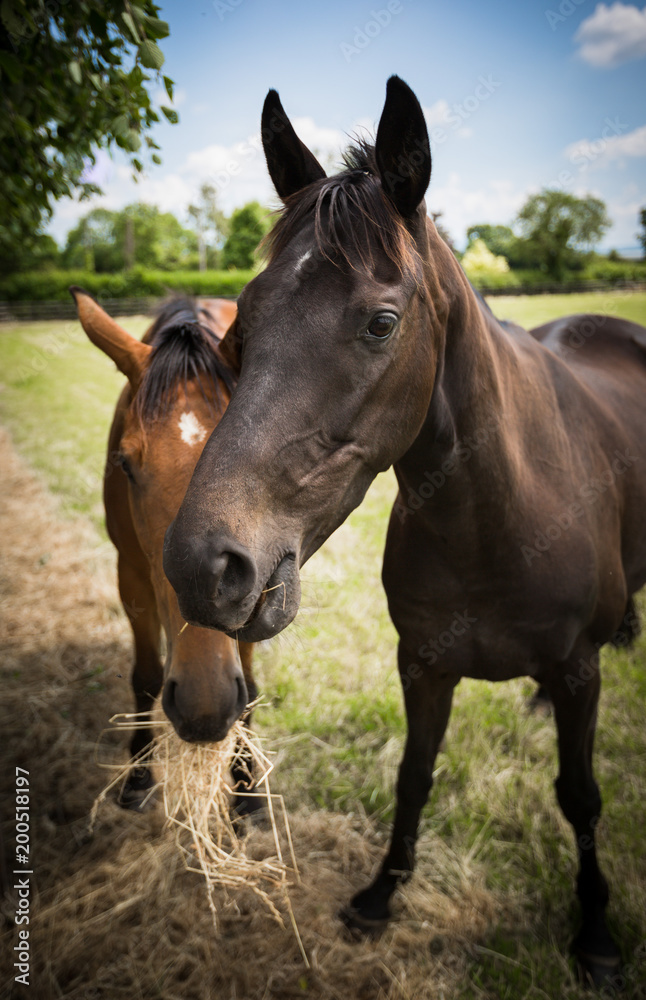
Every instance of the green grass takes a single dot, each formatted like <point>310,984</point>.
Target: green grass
<point>334,709</point>
<point>57,397</point>
<point>533,310</point>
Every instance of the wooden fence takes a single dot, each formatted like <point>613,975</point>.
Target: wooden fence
<point>11,312</point>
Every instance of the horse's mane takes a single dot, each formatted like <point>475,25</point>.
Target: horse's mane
<point>352,215</point>
<point>184,348</point>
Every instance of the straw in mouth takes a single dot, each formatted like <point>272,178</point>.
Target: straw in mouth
<point>197,793</point>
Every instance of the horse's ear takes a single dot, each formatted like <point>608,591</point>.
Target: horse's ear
<point>231,347</point>
<point>402,149</point>
<point>128,353</point>
<point>290,163</point>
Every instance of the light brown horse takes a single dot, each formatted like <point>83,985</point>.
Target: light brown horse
<point>178,387</point>
<point>519,534</point>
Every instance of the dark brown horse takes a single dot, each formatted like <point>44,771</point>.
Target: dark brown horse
<point>519,530</point>
<point>178,387</point>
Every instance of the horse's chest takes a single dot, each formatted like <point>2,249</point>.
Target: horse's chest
<point>488,611</point>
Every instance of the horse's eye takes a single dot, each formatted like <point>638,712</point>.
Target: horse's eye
<point>381,327</point>
<point>125,465</point>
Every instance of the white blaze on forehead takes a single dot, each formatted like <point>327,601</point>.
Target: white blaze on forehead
<point>191,429</point>
<point>301,260</point>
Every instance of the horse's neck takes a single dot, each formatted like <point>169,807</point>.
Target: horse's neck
<point>471,421</point>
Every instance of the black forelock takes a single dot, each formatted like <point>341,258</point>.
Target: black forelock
<point>353,216</point>
<point>185,348</point>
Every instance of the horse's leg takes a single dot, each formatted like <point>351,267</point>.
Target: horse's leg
<point>540,702</point>
<point>575,709</point>
<point>138,598</point>
<point>428,698</point>
<point>242,770</point>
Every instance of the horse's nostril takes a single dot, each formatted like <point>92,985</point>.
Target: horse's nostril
<point>238,575</point>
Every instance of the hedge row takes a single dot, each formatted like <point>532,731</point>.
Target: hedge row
<point>599,269</point>
<point>140,283</point>
<point>52,285</point>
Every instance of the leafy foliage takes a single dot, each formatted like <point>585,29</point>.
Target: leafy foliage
<point>247,227</point>
<point>557,229</point>
<point>501,240</point>
<point>485,269</point>
<point>72,77</point>
<point>211,226</point>
<point>103,241</point>
<point>139,282</point>
<point>641,235</point>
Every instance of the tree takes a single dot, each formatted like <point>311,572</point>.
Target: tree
<point>140,234</point>
<point>211,226</point>
<point>558,229</point>
<point>499,239</point>
<point>641,236</point>
<point>91,244</point>
<point>38,254</point>
<point>478,260</point>
<point>73,80</point>
<point>247,226</point>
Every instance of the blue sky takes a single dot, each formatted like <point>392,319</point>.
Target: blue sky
<point>517,95</point>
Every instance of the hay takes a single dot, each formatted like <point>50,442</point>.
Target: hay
<point>198,794</point>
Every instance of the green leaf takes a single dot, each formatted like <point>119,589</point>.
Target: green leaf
<point>138,165</point>
<point>151,55</point>
<point>14,24</point>
<point>171,114</point>
<point>128,20</point>
<point>156,158</point>
<point>168,83</point>
<point>133,139</point>
<point>75,72</point>
<point>121,125</point>
<point>155,28</point>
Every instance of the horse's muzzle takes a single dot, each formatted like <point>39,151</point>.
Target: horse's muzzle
<point>220,585</point>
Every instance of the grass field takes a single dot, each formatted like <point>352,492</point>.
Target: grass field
<point>335,711</point>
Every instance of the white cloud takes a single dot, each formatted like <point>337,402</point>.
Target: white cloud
<point>606,149</point>
<point>238,172</point>
<point>437,114</point>
<point>612,35</point>
<point>498,202</point>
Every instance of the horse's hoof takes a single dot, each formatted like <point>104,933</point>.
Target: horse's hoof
<point>358,926</point>
<point>136,794</point>
<point>599,971</point>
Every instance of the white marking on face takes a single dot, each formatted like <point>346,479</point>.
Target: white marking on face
<point>191,429</point>
<point>301,260</point>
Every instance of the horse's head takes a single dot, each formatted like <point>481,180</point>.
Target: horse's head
<point>178,388</point>
<point>338,360</point>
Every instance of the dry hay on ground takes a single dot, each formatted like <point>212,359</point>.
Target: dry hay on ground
<point>118,915</point>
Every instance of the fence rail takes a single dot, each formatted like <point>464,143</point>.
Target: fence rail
<point>11,312</point>
<point>59,309</point>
